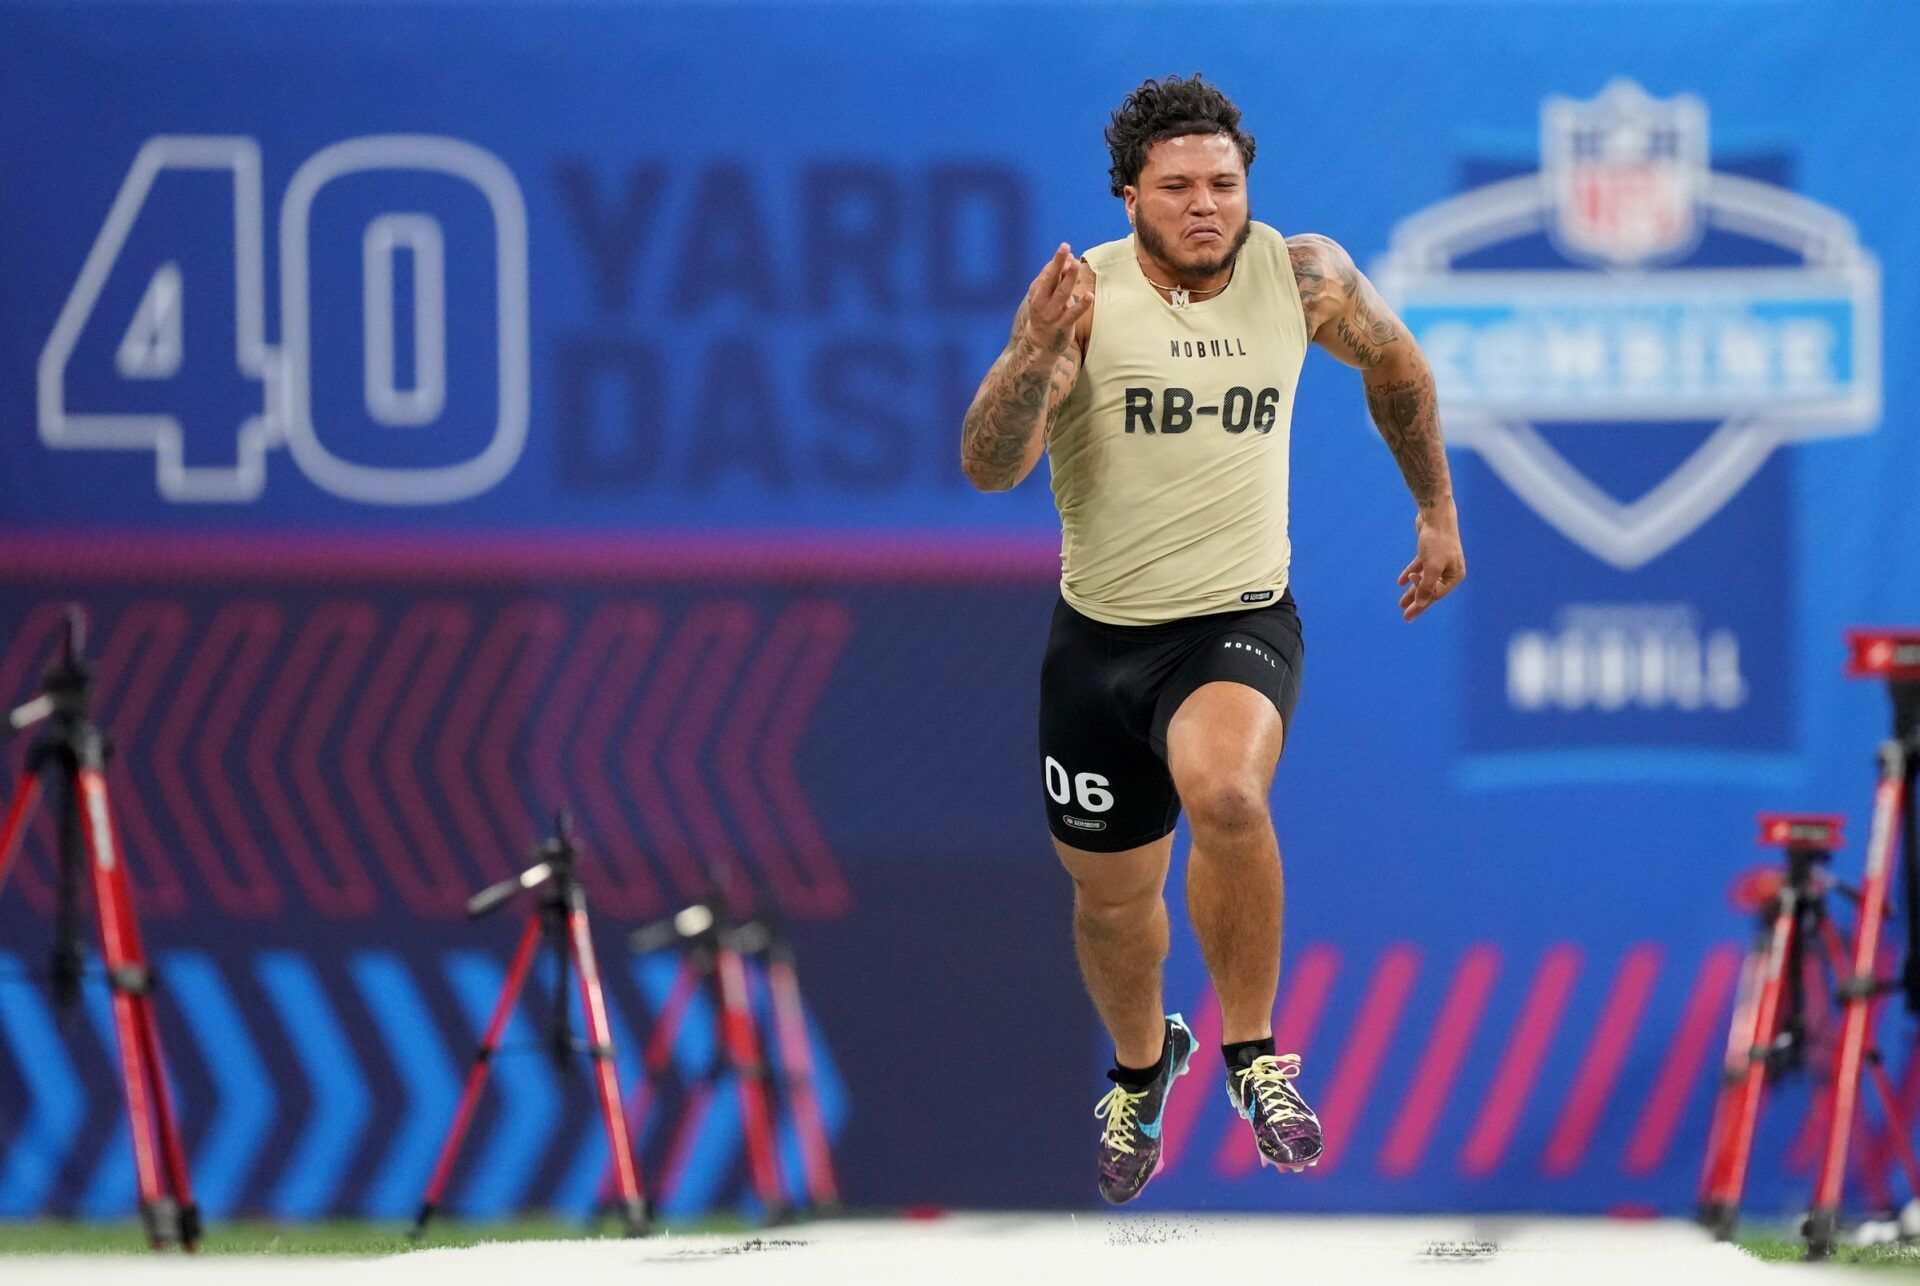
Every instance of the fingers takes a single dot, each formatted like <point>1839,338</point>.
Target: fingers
<point>1049,278</point>
<point>1423,590</point>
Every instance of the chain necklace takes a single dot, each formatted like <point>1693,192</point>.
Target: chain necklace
<point>1180,296</point>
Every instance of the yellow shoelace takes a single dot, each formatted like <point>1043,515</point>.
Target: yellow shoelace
<point>1119,1109</point>
<point>1270,1074</point>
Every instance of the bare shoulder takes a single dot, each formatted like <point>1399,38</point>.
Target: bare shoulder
<point>1325,274</point>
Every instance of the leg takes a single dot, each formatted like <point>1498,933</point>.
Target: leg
<point>1222,746</point>
<point>1120,935</point>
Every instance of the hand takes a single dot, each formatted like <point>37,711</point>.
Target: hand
<point>1439,564</point>
<point>1058,298</point>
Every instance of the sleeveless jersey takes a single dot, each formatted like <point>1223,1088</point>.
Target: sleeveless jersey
<point>1169,458</point>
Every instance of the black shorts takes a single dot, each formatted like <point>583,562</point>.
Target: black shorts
<point>1108,692</point>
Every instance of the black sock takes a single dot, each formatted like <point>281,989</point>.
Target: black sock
<point>1138,1078</point>
<point>1242,1052</point>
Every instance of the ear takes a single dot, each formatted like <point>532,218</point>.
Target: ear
<point>1130,195</point>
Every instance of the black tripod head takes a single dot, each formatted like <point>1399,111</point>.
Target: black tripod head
<point>66,689</point>
<point>553,861</point>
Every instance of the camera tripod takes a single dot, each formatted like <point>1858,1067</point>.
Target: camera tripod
<point>71,758</point>
<point>714,953</point>
<point>710,955</point>
<point>1771,1007</point>
<point>560,917</point>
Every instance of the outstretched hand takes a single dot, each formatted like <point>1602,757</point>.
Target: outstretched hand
<point>1059,297</point>
<point>1439,564</point>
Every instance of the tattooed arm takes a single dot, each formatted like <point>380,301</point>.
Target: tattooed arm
<point>1007,426</point>
<point>1346,316</point>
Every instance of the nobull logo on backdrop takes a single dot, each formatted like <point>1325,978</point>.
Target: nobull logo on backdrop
<point>1624,333</point>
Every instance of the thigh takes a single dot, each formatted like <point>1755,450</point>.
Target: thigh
<point>1260,652</point>
<point>1106,790</point>
<point>1225,737</point>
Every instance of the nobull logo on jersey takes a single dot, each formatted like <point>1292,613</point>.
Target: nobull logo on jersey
<point>1623,333</point>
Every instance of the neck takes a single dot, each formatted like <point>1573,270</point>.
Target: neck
<point>1164,276</point>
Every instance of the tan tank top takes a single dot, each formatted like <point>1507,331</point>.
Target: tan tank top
<point>1169,458</point>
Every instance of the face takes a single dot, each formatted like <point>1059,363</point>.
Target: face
<point>1189,208</point>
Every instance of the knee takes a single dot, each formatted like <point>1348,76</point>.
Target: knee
<point>1226,808</point>
<point>1108,908</point>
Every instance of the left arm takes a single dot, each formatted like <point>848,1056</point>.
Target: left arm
<point>1346,316</point>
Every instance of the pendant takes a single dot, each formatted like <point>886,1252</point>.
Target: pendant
<point>1179,298</point>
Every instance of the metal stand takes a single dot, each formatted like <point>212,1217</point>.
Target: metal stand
<point>765,936</point>
<point>710,955</point>
<point>1895,657</point>
<point>1773,1028</point>
<point>561,917</point>
<point>71,754</point>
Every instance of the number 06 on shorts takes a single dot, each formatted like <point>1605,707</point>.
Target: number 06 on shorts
<point>1109,692</point>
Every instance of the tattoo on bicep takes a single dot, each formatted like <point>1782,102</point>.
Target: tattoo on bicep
<point>1309,272</point>
<point>1407,414</point>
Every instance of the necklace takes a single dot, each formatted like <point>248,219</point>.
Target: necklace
<point>1179,296</point>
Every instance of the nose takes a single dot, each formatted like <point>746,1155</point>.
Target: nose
<point>1203,202</point>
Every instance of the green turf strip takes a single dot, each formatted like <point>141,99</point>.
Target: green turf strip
<point>332,1237</point>
<point>1792,1250</point>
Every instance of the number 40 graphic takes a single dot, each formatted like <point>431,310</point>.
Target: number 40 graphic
<point>152,345</point>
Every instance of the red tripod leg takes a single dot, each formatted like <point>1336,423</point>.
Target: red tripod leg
<point>606,1073</point>
<point>1858,989</point>
<point>19,812</point>
<point>173,1152</point>
<point>657,1055</point>
<point>128,978</point>
<point>796,1066</point>
<point>743,1051</point>
<point>1732,1073</point>
<point>1898,1138</point>
<point>477,1075</point>
<point>1724,1190</point>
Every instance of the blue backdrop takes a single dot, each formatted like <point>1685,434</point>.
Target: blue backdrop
<point>444,410</point>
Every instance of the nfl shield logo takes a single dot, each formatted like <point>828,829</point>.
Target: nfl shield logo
<point>1625,173</point>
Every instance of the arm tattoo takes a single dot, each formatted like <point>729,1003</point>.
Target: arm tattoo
<point>1332,288</point>
<point>1022,394</point>
<point>1308,273</point>
<point>1406,411</point>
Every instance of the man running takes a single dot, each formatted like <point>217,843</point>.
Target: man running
<point>1174,661</point>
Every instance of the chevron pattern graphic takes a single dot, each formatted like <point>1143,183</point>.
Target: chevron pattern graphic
<point>312,1089</point>
<point>330,755</point>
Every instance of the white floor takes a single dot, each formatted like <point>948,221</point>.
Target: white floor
<point>1019,1250</point>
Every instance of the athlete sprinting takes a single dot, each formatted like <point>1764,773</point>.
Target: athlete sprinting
<point>1174,660</point>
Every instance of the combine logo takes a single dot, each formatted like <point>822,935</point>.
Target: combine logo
<point>1628,287</point>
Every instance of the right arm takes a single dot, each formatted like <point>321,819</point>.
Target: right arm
<point>1015,408</point>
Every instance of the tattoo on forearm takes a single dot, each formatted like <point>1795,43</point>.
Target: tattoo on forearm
<point>1406,411</point>
<point>1023,394</point>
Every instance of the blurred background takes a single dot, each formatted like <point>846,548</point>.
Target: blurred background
<point>450,412</point>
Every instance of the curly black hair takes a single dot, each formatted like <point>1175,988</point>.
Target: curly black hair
<point>1164,109</point>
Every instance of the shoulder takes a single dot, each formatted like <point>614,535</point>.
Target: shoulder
<point>1108,254</point>
<point>1324,273</point>
<point>1317,256</point>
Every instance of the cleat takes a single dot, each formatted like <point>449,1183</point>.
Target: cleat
<point>1130,1144</point>
<point>1284,1128</point>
